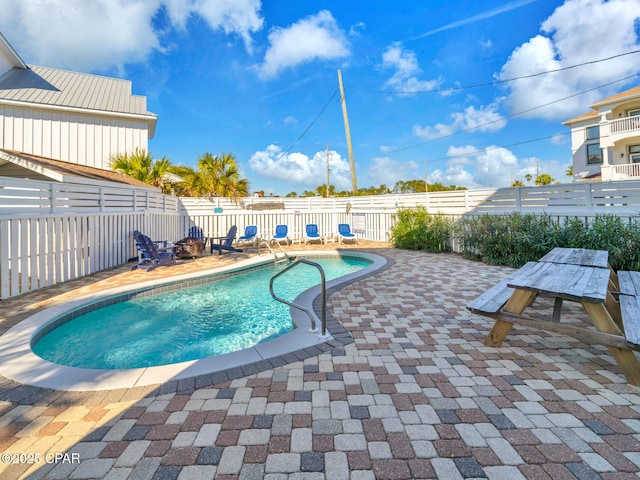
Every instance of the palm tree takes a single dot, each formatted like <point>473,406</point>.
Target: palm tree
<point>140,165</point>
<point>215,176</point>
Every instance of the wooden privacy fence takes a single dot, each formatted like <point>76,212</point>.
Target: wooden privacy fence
<point>53,232</point>
<point>19,196</point>
<point>38,251</point>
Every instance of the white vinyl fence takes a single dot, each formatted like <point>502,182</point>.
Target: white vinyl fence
<point>53,232</point>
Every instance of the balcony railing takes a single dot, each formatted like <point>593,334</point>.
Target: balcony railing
<point>627,170</point>
<point>623,125</point>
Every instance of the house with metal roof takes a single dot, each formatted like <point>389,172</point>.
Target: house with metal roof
<point>605,142</point>
<point>73,117</point>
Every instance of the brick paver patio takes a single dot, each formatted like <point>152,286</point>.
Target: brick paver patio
<point>416,394</point>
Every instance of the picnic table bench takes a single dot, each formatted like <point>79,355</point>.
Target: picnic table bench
<point>578,275</point>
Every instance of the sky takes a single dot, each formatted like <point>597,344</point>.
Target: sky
<point>464,93</point>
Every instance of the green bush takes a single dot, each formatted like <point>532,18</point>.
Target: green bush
<point>416,229</point>
<point>517,238</point>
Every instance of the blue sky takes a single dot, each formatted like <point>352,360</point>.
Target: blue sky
<point>426,82</point>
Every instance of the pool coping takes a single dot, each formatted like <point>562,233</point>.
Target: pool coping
<point>19,363</point>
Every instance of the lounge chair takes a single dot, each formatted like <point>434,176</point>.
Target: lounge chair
<point>250,235</point>
<point>225,243</point>
<point>311,234</point>
<point>345,234</point>
<point>282,233</point>
<point>151,254</point>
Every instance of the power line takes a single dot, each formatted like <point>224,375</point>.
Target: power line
<point>302,134</point>
<point>490,149</point>
<point>496,82</point>
<point>511,116</point>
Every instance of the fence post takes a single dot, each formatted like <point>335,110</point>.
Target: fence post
<point>589,197</point>
<point>52,199</point>
<point>518,198</point>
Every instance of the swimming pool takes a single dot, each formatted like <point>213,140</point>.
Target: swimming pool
<point>218,316</point>
<point>18,362</point>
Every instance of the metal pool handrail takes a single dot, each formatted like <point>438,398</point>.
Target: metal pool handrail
<point>275,254</point>
<point>323,294</point>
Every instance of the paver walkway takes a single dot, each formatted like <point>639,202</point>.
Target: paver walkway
<point>416,395</point>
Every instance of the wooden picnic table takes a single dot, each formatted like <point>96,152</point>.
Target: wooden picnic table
<point>577,275</point>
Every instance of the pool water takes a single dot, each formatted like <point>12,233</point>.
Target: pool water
<point>222,316</point>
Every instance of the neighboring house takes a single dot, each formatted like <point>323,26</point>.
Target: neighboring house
<point>74,117</point>
<point>605,142</point>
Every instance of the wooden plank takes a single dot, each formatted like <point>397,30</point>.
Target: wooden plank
<point>625,358</point>
<point>578,256</point>
<point>597,287</point>
<point>585,334</point>
<point>626,283</point>
<point>520,299</point>
<point>14,256</point>
<point>5,291</point>
<point>630,317</point>
<point>25,255</point>
<point>564,280</point>
<point>493,299</point>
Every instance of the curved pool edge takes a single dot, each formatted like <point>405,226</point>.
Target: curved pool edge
<point>19,363</point>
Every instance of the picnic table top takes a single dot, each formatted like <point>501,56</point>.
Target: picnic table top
<point>564,280</point>
<point>578,256</point>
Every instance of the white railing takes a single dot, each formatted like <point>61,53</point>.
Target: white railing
<point>626,124</point>
<point>626,170</point>
<point>51,232</point>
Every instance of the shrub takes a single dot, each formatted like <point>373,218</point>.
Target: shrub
<point>516,238</point>
<point>416,229</point>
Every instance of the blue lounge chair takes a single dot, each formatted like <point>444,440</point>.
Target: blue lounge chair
<point>282,233</point>
<point>311,233</point>
<point>345,234</point>
<point>196,232</point>
<point>151,255</point>
<point>225,243</point>
<point>250,235</point>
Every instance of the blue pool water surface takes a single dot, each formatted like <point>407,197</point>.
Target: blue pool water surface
<point>222,316</point>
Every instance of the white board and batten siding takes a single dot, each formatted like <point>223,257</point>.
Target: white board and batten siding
<point>73,137</point>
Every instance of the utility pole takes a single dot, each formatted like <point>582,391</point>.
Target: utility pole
<point>347,130</point>
<point>327,154</point>
<point>426,183</point>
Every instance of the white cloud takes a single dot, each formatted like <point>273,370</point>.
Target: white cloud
<point>494,167</point>
<point>483,119</point>
<point>300,169</point>
<point>578,31</point>
<point>290,120</point>
<point>385,170</point>
<point>405,79</point>
<point>99,35</point>
<point>316,37</point>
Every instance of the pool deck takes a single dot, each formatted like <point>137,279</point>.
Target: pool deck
<point>412,392</point>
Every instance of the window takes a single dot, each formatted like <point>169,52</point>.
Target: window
<point>594,153</point>
<point>634,153</point>
<point>593,133</point>
<point>634,113</point>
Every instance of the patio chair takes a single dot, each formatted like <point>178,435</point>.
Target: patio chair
<point>250,235</point>
<point>151,254</point>
<point>225,243</point>
<point>345,234</point>
<point>196,232</point>
<point>282,233</point>
<point>311,233</point>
